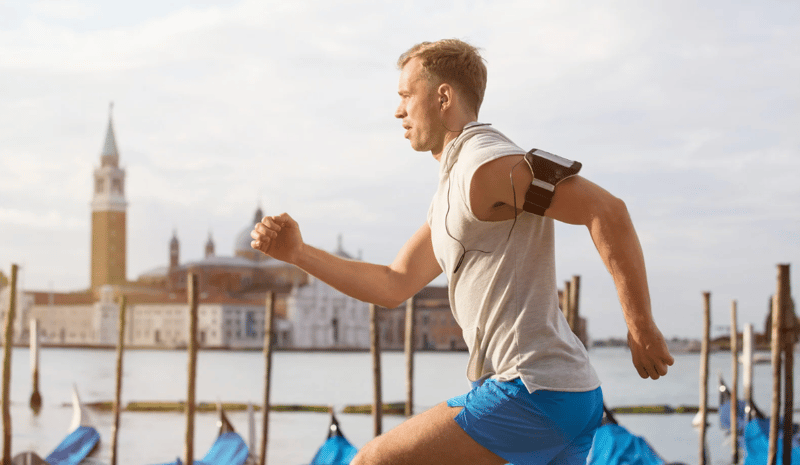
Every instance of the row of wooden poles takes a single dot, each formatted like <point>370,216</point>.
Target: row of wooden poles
<point>784,336</point>
<point>783,339</point>
<point>192,295</point>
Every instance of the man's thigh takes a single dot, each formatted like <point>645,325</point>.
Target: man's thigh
<point>432,437</point>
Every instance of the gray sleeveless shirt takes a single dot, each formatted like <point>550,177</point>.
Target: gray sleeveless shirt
<point>504,294</point>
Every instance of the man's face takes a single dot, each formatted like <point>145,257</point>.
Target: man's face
<point>419,109</point>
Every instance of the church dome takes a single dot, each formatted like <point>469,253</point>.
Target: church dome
<point>241,247</point>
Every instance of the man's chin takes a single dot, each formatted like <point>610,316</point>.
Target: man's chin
<point>417,147</point>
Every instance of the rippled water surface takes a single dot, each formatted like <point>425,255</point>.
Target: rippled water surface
<point>336,379</point>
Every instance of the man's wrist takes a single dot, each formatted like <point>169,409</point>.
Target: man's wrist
<point>642,328</point>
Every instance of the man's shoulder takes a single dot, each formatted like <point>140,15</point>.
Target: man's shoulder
<point>488,145</point>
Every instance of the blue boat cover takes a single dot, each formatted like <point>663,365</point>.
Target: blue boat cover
<point>228,449</point>
<point>337,450</point>
<point>615,445</point>
<point>756,443</point>
<point>75,447</point>
<point>725,416</point>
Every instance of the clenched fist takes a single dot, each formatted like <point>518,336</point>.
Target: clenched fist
<point>279,237</point>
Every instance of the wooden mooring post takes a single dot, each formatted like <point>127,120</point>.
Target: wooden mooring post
<point>7,345</point>
<point>783,340</point>
<point>269,319</point>
<point>776,346</point>
<point>410,337</point>
<point>188,451</point>
<point>36,397</point>
<point>703,413</point>
<point>375,351</point>
<point>789,340</point>
<point>123,304</point>
<point>792,335</point>
<point>565,300</point>
<point>574,307</point>
<point>734,385</point>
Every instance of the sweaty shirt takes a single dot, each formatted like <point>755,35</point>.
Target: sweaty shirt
<point>504,294</point>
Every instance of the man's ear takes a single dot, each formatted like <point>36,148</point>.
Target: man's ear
<point>445,94</point>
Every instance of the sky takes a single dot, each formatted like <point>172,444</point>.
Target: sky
<point>688,111</point>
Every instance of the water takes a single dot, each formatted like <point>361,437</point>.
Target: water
<point>336,379</point>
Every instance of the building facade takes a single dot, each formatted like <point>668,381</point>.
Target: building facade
<point>221,324</point>
<point>434,323</point>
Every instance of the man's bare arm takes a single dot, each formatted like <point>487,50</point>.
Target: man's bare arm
<point>579,201</point>
<point>387,286</point>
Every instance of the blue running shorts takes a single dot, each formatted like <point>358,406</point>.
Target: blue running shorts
<point>546,427</point>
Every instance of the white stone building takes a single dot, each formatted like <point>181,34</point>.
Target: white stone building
<point>151,325</point>
<point>23,305</point>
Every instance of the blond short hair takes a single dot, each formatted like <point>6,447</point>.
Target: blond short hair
<point>452,61</point>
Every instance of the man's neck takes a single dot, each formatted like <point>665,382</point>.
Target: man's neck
<point>449,136</point>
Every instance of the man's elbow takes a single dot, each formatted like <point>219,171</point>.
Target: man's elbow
<point>394,303</point>
<point>618,210</point>
<point>396,298</point>
<point>612,213</point>
<point>393,296</point>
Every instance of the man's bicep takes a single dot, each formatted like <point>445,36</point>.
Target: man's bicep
<point>503,180</point>
<point>577,201</point>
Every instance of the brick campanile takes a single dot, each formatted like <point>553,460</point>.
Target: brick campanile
<point>108,216</point>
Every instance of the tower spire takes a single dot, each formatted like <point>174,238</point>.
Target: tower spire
<point>174,250</point>
<point>209,246</point>
<point>110,155</point>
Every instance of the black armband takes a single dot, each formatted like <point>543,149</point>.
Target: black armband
<point>548,170</point>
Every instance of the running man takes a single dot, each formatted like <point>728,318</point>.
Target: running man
<point>536,398</point>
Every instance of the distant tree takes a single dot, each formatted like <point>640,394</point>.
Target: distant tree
<point>3,280</point>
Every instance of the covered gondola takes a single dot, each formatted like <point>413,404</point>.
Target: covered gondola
<point>228,449</point>
<point>336,450</point>
<point>81,441</point>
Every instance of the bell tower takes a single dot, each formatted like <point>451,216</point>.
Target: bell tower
<point>108,216</point>
<point>174,250</point>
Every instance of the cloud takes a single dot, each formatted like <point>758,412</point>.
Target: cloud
<point>686,111</point>
<point>62,9</point>
<point>51,220</point>
<point>38,45</point>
